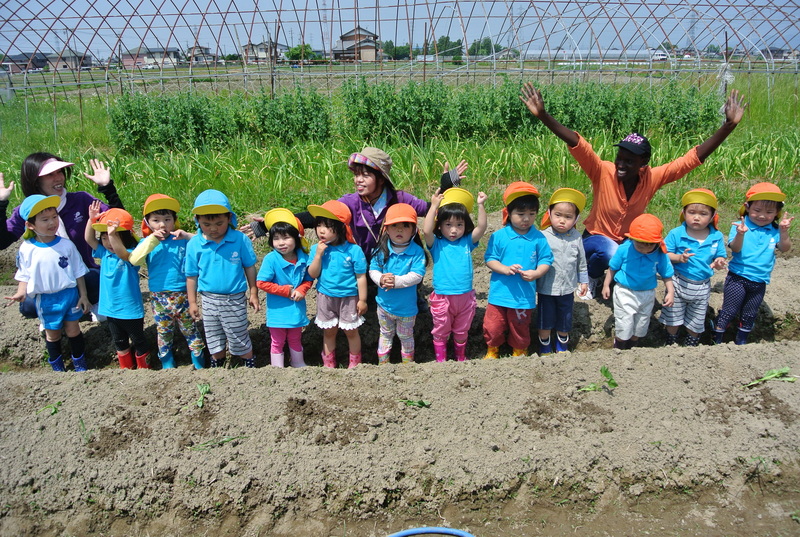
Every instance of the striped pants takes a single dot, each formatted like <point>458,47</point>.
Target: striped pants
<point>225,323</point>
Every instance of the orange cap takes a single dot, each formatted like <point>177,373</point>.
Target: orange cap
<point>400,212</point>
<point>647,228</point>
<point>123,217</point>
<point>518,189</point>
<point>763,191</point>
<point>158,202</point>
<point>335,210</point>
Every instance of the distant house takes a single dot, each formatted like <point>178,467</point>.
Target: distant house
<point>356,45</point>
<point>264,52</point>
<point>147,56</point>
<point>69,59</point>
<point>198,54</point>
<point>18,63</point>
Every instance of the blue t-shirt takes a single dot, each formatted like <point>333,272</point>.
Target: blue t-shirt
<point>452,265</point>
<point>165,266</point>
<point>283,312</point>
<point>401,302</point>
<point>120,296</point>
<point>219,267</point>
<point>340,264</point>
<point>698,268</point>
<point>510,248</point>
<point>757,258</point>
<point>638,271</point>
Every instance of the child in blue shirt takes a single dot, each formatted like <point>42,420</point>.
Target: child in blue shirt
<point>50,271</point>
<point>451,237</point>
<point>696,248</point>
<point>397,267</point>
<point>284,277</point>
<point>518,255</point>
<point>634,267</point>
<point>753,242</point>
<point>221,266</point>
<point>164,251</point>
<point>120,294</point>
<point>340,268</point>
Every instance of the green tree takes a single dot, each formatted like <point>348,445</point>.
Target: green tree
<point>301,52</point>
<point>388,49</point>
<point>447,47</point>
<point>712,49</point>
<point>483,47</point>
<point>402,53</point>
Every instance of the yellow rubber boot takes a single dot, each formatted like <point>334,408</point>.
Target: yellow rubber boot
<point>492,353</point>
<point>519,352</point>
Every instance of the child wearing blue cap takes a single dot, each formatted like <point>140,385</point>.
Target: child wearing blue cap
<point>221,265</point>
<point>51,270</point>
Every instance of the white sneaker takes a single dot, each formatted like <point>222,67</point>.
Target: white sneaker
<point>595,288</point>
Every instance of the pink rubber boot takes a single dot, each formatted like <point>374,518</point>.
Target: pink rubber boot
<point>329,360</point>
<point>440,350</point>
<point>461,350</point>
<point>355,359</point>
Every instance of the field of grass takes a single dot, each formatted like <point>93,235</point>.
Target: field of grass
<point>262,174</point>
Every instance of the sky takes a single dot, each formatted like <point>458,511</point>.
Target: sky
<point>100,26</point>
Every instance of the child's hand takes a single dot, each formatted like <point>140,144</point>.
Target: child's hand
<point>436,198</point>
<point>5,191</point>
<point>296,295</point>
<point>513,269</point>
<point>387,280</point>
<point>361,307</point>
<point>669,300</point>
<point>321,247</point>
<point>84,304</point>
<point>741,227</point>
<point>532,98</point>
<point>784,224</point>
<point>194,312</point>
<point>111,226</point>
<point>527,275</point>
<point>606,291</point>
<point>102,175</point>
<point>253,300</point>
<point>685,256</point>
<point>583,289</point>
<point>94,211</point>
<point>161,234</point>
<point>482,197</point>
<point>735,107</point>
<point>719,263</point>
<point>180,234</point>
<point>16,297</point>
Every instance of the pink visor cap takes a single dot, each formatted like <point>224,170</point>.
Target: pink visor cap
<point>53,165</point>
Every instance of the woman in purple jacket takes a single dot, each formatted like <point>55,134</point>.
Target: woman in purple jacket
<point>47,174</point>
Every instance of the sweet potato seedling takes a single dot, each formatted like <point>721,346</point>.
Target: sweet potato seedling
<point>419,403</point>
<point>52,407</point>
<point>774,374</point>
<point>204,389</point>
<point>608,384</point>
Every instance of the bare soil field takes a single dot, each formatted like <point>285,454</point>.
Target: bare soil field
<point>509,447</point>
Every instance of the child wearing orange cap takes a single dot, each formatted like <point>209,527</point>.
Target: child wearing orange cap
<point>696,248</point>
<point>283,276</point>
<point>397,266</point>
<point>557,287</point>
<point>518,255</point>
<point>340,268</point>
<point>634,267</point>
<point>120,295</point>
<point>51,272</point>
<point>753,241</point>
<point>163,250</point>
<point>451,237</point>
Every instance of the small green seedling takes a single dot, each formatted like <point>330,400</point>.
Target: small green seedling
<point>52,407</point>
<point>87,435</point>
<point>204,389</point>
<point>774,374</point>
<point>608,384</point>
<point>419,403</point>
<point>216,442</point>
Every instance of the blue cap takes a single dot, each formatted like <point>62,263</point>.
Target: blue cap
<point>33,205</point>
<point>213,202</point>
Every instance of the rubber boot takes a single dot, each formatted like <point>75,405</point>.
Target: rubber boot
<point>741,337</point>
<point>141,361</point>
<point>691,341</point>
<point>125,359</point>
<point>461,350</point>
<point>355,359</point>
<point>383,359</point>
<point>276,359</point>
<point>296,358</point>
<point>440,351</point>
<point>632,343</point>
<point>562,345</point>
<point>57,364</point>
<point>329,360</point>
<point>545,346</point>
<point>519,352</point>
<point>716,336</point>
<point>167,361</point>
<point>621,344</point>
<point>492,353</point>
<point>671,339</point>
<point>250,363</point>
<point>79,363</point>
<point>407,358</point>
<point>214,363</point>
<point>198,360</point>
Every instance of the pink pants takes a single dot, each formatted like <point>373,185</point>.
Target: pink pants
<point>498,319</point>
<point>452,313</point>
<point>279,337</point>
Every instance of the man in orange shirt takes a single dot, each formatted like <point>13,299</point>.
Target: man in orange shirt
<point>623,188</point>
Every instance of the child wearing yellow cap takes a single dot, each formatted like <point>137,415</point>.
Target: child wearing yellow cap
<point>397,267</point>
<point>634,267</point>
<point>120,295</point>
<point>569,271</point>
<point>753,241</point>
<point>518,255</point>
<point>164,250</point>
<point>50,270</point>
<point>696,248</point>
<point>451,236</point>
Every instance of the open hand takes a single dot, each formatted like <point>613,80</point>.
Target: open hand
<point>5,191</point>
<point>102,175</point>
<point>532,98</point>
<point>735,107</point>
<point>94,210</point>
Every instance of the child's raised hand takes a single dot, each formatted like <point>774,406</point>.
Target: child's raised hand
<point>741,227</point>
<point>102,175</point>
<point>785,222</point>
<point>94,210</point>
<point>719,263</point>
<point>685,256</point>
<point>111,226</point>
<point>436,198</point>
<point>482,197</point>
<point>5,191</point>
<point>735,107</point>
<point>532,98</point>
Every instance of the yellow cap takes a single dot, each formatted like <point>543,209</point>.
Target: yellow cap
<point>458,195</point>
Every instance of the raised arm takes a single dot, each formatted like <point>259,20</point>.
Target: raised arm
<point>88,232</point>
<point>429,223</point>
<point>480,229</point>
<point>734,111</point>
<point>532,98</point>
